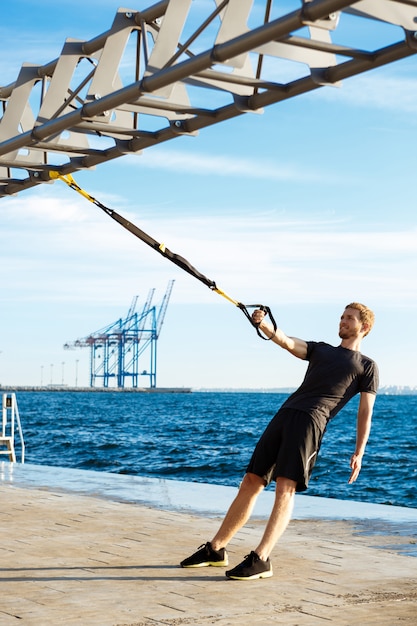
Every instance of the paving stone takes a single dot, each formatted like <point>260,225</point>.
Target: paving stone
<point>72,559</point>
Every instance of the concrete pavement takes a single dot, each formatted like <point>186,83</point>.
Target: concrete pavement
<point>72,558</point>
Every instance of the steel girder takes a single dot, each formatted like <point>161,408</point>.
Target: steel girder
<point>177,67</point>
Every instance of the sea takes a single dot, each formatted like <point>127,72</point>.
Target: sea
<point>208,437</point>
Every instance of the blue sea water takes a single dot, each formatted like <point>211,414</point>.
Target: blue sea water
<point>209,437</point>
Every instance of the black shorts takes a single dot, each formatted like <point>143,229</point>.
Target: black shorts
<point>288,448</point>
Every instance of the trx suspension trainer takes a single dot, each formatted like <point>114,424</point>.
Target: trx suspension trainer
<point>171,256</point>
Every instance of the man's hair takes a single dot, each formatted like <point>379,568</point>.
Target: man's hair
<point>366,316</point>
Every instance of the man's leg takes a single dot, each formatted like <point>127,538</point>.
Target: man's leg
<point>279,518</point>
<point>213,552</point>
<point>239,511</point>
<point>257,564</point>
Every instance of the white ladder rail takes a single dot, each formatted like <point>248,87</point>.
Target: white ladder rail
<point>11,419</point>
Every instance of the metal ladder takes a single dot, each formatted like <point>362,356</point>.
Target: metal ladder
<point>11,419</point>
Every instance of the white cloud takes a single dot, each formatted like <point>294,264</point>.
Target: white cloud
<point>225,166</point>
<point>376,91</point>
<point>68,250</point>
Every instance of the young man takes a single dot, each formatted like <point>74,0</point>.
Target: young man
<point>288,448</point>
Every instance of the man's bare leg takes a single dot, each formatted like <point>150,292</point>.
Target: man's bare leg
<point>239,511</point>
<point>279,518</point>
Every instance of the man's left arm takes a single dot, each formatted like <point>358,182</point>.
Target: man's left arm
<point>363,428</point>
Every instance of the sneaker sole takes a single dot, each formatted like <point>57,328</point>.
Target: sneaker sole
<point>268,574</point>
<point>224,563</point>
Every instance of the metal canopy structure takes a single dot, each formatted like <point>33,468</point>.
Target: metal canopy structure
<point>180,66</point>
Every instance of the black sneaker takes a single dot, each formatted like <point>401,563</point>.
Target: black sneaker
<point>206,556</point>
<point>251,568</point>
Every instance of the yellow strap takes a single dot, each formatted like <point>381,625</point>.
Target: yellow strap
<point>67,178</point>
<point>221,293</point>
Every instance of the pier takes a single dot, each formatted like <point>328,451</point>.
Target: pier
<point>83,547</point>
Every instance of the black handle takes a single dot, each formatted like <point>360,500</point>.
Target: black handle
<point>266,310</point>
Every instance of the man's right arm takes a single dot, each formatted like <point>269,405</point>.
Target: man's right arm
<point>297,347</point>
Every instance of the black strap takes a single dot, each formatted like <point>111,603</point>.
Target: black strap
<point>171,256</point>
<point>174,258</point>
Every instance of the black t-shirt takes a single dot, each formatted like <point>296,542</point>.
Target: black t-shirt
<point>334,375</point>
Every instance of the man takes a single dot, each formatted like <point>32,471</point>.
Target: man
<point>288,448</point>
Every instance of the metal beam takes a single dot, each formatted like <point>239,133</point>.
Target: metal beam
<point>86,108</point>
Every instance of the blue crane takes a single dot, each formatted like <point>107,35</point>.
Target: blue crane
<point>115,350</point>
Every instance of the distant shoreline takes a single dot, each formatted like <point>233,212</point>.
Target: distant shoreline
<point>64,388</point>
<point>387,391</point>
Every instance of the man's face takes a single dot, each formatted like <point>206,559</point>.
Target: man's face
<point>350,324</point>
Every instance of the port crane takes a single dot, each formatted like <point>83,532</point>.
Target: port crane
<point>116,349</point>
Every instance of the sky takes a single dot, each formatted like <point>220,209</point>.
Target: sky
<point>304,208</point>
